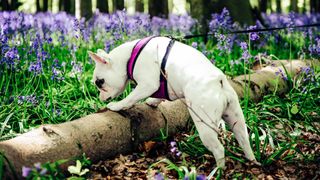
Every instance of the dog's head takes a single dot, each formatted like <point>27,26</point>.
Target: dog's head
<point>108,80</point>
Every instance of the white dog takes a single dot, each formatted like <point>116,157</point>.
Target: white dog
<point>189,75</point>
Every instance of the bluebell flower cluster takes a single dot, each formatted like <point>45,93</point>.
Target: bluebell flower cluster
<point>36,169</point>
<point>32,99</point>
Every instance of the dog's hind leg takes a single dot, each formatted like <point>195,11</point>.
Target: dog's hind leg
<point>206,111</point>
<point>209,138</point>
<point>234,117</point>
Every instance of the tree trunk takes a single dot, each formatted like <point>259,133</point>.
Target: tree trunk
<point>38,7</point>
<point>201,10</point>
<point>102,5</point>
<point>139,6</point>
<point>45,5</point>
<point>158,8</point>
<point>240,10</point>
<point>106,134</point>
<point>84,9</point>
<point>263,6</point>
<point>5,5</point>
<point>294,5</point>
<point>99,135</point>
<point>278,6</point>
<point>118,5</point>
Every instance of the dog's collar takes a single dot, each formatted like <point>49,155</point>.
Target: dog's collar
<point>162,92</point>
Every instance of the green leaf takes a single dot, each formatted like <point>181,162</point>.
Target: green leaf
<point>294,109</point>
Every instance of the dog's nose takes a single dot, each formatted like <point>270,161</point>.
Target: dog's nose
<point>99,82</point>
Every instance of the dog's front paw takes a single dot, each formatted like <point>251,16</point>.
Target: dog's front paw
<point>153,102</point>
<point>115,106</point>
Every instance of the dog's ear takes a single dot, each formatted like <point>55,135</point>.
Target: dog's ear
<point>97,58</point>
<point>102,53</point>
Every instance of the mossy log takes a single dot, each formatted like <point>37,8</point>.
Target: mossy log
<point>105,134</point>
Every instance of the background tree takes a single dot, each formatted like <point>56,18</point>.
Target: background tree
<point>139,6</point>
<point>84,8</point>
<point>118,5</point>
<point>294,5</point>
<point>103,6</point>
<point>314,6</point>
<point>263,5</point>
<point>158,8</point>
<point>67,6</point>
<point>278,6</point>
<point>5,5</point>
<point>240,11</point>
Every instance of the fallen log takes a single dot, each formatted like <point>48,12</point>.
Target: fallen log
<point>103,135</point>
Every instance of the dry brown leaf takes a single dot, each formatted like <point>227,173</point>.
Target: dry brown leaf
<point>148,146</point>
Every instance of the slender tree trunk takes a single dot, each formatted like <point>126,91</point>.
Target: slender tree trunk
<point>70,7</point>
<point>278,6</point>
<point>102,5</point>
<point>139,6</point>
<point>61,8</point>
<point>5,5</point>
<point>201,10</point>
<point>45,5</point>
<point>294,5</point>
<point>118,5</point>
<point>84,8</point>
<point>158,8</point>
<point>49,5</point>
<point>38,7</point>
<point>240,10</point>
<point>304,10</point>
<point>263,5</point>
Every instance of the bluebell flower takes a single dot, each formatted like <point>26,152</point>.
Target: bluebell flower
<point>245,52</point>
<point>194,44</point>
<point>158,176</point>
<point>36,67</point>
<point>221,21</point>
<point>253,35</point>
<point>281,74</point>
<point>26,171</point>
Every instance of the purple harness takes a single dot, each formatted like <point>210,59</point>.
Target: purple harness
<point>162,92</point>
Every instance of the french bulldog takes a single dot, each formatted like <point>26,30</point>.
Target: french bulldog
<point>189,74</point>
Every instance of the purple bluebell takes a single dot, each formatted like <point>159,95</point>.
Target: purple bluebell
<point>158,176</point>
<point>201,177</point>
<point>194,44</point>
<point>253,35</point>
<point>281,74</point>
<point>36,67</point>
<point>26,171</point>
<point>245,52</point>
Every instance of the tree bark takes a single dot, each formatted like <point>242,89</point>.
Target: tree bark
<point>202,10</point>
<point>84,9</point>
<point>294,5</point>
<point>118,5</point>
<point>263,5</point>
<point>278,6</point>
<point>158,8</point>
<point>316,6</point>
<point>5,5</point>
<point>106,134</point>
<point>45,5</point>
<point>102,5</point>
<point>139,6</point>
<point>240,10</point>
<point>38,7</point>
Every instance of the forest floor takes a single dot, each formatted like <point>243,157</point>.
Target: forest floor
<point>137,165</point>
